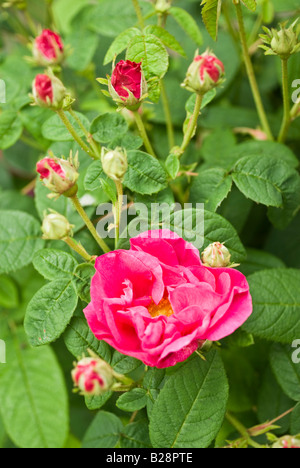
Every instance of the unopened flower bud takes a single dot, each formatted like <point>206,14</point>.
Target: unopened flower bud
<point>205,73</point>
<point>216,255</point>
<point>48,91</point>
<point>56,227</point>
<point>115,163</point>
<point>162,6</point>
<point>48,48</point>
<point>59,175</point>
<point>284,42</point>
<point>287,442</point>
<point>93,376</point>
<point>127,85</point>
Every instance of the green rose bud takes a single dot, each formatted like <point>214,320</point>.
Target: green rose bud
<point>216,255</point>
<point>56,227</point>
<point>114,163</point>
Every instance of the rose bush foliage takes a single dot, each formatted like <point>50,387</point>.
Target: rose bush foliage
<point>169,318</point>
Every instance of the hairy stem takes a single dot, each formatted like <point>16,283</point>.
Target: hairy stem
<point>74,134</point>
<point>251,74</point>
<point>88,136</point>
<point>286,101</point>
<point>143,133</point>
<point>139,14</point>
<point>118,210</point>
<point>89,224</point>
<point>168,116</point>
<point>78,248</point>
<point>192,124</point>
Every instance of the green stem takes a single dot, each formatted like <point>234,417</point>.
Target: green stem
<point>89,224</point>
<point>192,124</point>
<point>88,136</point>
<point>168,116</point>
<point>251,74</point>
<point>118,210</point>
<point>31,23</point>
<point>143,133</point>
<point>78,248</point>
<point>242,430</point>
<point>139,14</point>
<point>74,134</point>
<point>286,100</point>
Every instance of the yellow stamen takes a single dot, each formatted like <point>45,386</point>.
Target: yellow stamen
<point>163,308</point>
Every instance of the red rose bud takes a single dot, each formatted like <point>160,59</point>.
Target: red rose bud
<point>93,376</point>
<point>205,73</point>
<point>58,175</point>
<point>127,84</point>
<point>48,48</point>
<point>48,91</point>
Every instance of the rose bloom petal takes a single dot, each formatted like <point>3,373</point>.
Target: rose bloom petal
<point>157,302</point>
<point>127,75</point>
<point>48,43</point>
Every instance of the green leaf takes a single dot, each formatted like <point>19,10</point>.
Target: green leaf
<point>260,178</point>
<point>201,190</point>
<point>285,370</point>
<point>105,127</point>
<point>120,44</point>
<point>195,394</point>
<point>20,238</point>
<point>82,281</point>
<point>33,396</point>
<point>79,338</point>
<point>211,14</point>
<point>166,38</point>
<point>136,435</point>
<point>10,129</point>
<point>145,175</point>
<point>54,264</point>
<point>134,400</point>
<point>49,312</point>
<point>124,364</point>
<point>149,50</point>
<point>9,295</point>
<point>295,420</point>
<point>96,402</point>
<point>250,4</point>
<point>53,129</point>
<point>187,23</point>
<point>207,98</point>
<point>93,175</point>
<point>276,305</point>
<point>153,378</point>
<point>258,260</point>
<point>104,432</point>
<point>172,165</point>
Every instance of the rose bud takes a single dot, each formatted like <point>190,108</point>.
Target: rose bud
<point>216,255</point>
<point>114,163</point>
<point>283,43</point>
<point>56,227</point>
<point>48,91</point>
<point>93,376</point>
<point>59,175</point>
<point>205,73</point>
<point>127,85</point>
<point>48,48</point>
<point>287,442</point>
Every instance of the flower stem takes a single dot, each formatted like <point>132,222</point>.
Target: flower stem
<point>78,248</point>
<point>242,430</point>
<point>143,133</point>
<point>139,14</point>
<point>89,224</point>
<point>88,136</point>
<point>251,74</point>
<point>74,134</point>
<point>192,124</point>
<point>118,210</point>
<point>286,100</point>
<point>168,115</point>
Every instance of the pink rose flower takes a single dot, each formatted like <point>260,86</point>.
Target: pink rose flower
<point>127,84</point>
<point>48,48</point>
<point>48,91</point>
<point>157,302</point>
